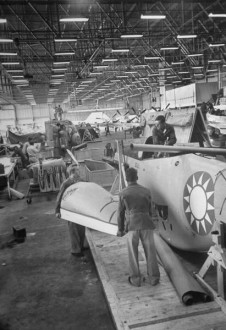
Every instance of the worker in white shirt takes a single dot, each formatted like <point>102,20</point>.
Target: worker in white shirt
<point>33,152</point>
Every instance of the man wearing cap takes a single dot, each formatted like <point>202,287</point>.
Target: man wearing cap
<point>135,219</point>
<point>163,133</point>
<point>76,231</point>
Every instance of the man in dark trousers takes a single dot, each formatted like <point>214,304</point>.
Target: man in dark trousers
<point>135,217</point>
<point>107,129</point>
<point>76,231</point>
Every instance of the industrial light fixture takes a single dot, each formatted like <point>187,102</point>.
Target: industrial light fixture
<point>20,80</point>
<point>194,55</point>
<point>197,67</point>
<point>183,72</point>
<point>122,50</point>
<point>217,15</point>
<point>186,36</point>
<point>95,73</point>
<point>14,70</point>
<point>217,45</point>
<point>198,74</point>
<point>7,54</point>
<point>109,60</point>
<point>100,66</point>
<point>132,72</point>
<point>128,36</point>
<point>60,63</point>
<point>139,65</point>
<point>3,20</point>
<point>74,19</point>
<point>122,76</point>
<point>64,53</point>
<point>10,63</point>
<point>58,69</point>
<point>65,40</point>
<point>151,57</point>
<point>3,40</point>
<point>57,75</point>
<point>169,48</point>
<point>177,63</point>
<point>214,61</point>
<point>153,17</point>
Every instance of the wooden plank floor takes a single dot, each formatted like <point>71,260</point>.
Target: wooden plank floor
<point>147,307</point>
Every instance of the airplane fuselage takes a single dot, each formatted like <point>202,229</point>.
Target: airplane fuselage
<point>184,194</point>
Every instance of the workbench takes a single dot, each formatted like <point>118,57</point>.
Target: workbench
<point>9,170</point>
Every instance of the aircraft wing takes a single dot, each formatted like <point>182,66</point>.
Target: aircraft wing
<point>90,205</point>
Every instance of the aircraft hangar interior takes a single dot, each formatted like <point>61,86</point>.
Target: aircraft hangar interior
<point>112,164</point>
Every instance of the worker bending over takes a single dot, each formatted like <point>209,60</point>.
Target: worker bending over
<point>76,231</point>
<point>135,217</point>
<point>163,133</point>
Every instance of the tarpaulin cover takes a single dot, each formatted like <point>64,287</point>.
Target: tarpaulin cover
<point>187,287</point>
<point>182,120</point>
<point>15,138</point>
<point>91,131</point>
<point>177,119</point>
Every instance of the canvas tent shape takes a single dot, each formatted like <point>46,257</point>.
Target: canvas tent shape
<point>97,117</point>
<point>189,125</point>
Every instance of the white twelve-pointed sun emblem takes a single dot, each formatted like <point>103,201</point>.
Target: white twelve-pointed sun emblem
<point>199,202</point>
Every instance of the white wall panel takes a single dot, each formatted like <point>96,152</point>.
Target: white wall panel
<point>7,118</point>
<point>184,96</point>
<point>24,121</point>
<point>146,98</point>
<point>41,111</point>
<point>24,112</point>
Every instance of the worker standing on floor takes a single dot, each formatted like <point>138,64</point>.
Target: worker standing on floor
<point>134,218</point>
<point>76,231</point>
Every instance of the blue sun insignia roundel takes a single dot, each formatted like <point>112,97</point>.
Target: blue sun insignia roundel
<point>199,202</point>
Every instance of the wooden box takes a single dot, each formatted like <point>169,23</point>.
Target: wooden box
<point>99,172</point>
<point>82,154</point>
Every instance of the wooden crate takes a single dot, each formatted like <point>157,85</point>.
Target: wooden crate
<point>99,172</point>
<point>47,152</point>
<point>82,154</point>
